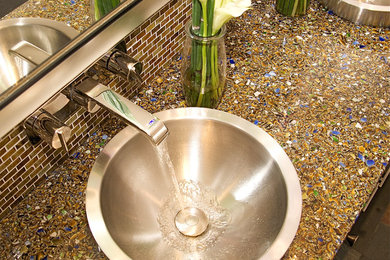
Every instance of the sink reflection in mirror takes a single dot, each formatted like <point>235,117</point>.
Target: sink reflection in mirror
<point>27,42</point>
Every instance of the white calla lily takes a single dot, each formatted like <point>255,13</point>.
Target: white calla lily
<point>226,9</point>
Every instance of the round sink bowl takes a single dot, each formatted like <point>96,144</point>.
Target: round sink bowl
<point>239,195</point>
<point>366,12</point>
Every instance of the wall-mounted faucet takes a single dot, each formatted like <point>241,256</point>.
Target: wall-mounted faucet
<point>127,68</point>
<point>47,123</point>
<point>122,107</point>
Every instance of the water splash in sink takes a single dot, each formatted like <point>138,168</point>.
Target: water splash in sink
<point>197,196</point>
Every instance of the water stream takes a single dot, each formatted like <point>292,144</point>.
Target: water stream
<point>165,159</point>
<point>184,194</point>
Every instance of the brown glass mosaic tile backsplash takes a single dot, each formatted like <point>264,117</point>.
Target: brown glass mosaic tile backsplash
<point>23,166</point>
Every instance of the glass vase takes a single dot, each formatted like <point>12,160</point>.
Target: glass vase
<point>203,68</point>
<point>292,7</point>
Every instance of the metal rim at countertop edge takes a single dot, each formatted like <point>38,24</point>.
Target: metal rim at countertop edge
<point>360,13</point>
<point>294,200</point>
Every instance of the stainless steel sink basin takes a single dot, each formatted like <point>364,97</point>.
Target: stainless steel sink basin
<point>238,189</point>
<point>367,12</point>
<point>27,42</point>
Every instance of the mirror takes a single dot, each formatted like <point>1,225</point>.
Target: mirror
<point>25,44</point>
<point>61,68</point>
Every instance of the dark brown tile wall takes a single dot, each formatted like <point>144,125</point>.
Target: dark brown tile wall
<point>156,40</point>
<point>23,166</point>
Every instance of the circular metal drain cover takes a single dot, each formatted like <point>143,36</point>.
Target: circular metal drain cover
<point>191,221</point>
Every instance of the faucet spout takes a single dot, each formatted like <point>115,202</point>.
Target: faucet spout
<point>125,109</point>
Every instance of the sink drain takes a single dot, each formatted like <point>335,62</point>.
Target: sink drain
<point>195,223</point>
<point>191,221</point>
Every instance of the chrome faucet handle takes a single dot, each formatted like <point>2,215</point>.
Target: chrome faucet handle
<point>89,104</point>
<point>63,139</point>
<point>122,64</point>
<point>49,129</point>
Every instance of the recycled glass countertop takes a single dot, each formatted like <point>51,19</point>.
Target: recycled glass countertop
<point>318,84</point>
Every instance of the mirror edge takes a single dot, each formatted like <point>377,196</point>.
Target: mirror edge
<point>81,53</point>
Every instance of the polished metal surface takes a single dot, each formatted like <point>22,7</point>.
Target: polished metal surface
<point>49,78</point>
<point>366,12</point>
<point>191,221</point>
<point>48,128</point>
<point>45,124</point>
<point>240,166</point>
<point>27,42</point>
<point>124,109</point>
<point>89,104</point>
<point>122,65</point>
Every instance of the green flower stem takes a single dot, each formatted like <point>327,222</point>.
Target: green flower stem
<point>102,7</point>
<point>214,68</point>
<point>196,15</point>
<point>196,22</point>
<point>292,7</point>
<point>305,5</point>
<point>204,56</point>
<point>294,10</point>
<point>210,17</point>
<point>204,74</point>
